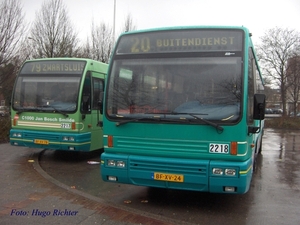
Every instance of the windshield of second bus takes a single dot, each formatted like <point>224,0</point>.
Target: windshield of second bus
<point>209,87</point>
<point>46,93</point>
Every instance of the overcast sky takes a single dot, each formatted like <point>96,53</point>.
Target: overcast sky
<point>257,15</point>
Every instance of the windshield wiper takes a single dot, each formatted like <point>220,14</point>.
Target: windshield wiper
<point>155,118</point>
<point>57,110</point>
<point>136,119</point>
<point>21,110</point>
<point>215,125</point>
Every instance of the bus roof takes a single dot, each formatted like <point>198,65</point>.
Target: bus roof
<point>64,59</point>
<point>99,66</point>
<point>187,28</point>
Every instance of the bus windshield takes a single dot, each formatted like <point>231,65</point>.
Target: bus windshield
<point>176,87</point>
<point>46,93</point>
<point>48,86</point>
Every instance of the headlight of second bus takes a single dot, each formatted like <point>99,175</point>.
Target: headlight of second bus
<point>67,138</point>
<point>17,135</point>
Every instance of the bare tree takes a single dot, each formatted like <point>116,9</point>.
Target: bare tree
<point>101,44</point>
<point>11,29</point>
<point>293,76</point>
<point>8,71</point>
<point>278,46</point>
<point>52,34</point>
<point>128,24</point>
<point>85,49</point>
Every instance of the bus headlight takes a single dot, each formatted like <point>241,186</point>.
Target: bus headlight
<point>71,139</point>
<point>66,138</point>
<point>116,163</point>
<point>230,172</point>
<point>111,162</point>
<point>121,164</point>
<point>217,171</point>
<point>17,135</point>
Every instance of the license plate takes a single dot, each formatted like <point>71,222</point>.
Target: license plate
<point>168,177</point>
<point>41,142</point>
<point>219,148</point>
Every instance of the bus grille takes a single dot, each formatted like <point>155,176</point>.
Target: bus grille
<point>159,147</point>
<point>171,165</point>
<point>41,135</point>
<point>194,173</point>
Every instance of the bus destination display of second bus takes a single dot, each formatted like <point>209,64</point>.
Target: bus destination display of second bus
<point>76,67</point>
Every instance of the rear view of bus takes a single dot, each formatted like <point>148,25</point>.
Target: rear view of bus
<point>183,109</point>
<point>55,104</point>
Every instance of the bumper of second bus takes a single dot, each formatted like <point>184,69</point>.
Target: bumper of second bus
<point>52,140</point>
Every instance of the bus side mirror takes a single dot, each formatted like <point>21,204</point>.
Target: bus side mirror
<point>259,106</point>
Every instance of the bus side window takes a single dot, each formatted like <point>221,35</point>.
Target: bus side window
<point>86,95</point>
<point>97,90</point>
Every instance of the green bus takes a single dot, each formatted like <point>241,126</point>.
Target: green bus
<point>183,109</point>
<point>55,104</point>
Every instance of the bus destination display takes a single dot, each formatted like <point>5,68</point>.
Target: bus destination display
<point>178,41</point>
<point>40,67</point>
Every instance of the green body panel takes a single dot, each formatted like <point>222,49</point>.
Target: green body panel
<point>81,128</point>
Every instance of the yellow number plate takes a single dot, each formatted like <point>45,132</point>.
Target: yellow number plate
<point>41,142</point>
<point>168,177</point>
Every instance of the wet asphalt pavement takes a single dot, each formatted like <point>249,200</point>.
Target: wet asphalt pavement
<point>274,196</point>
